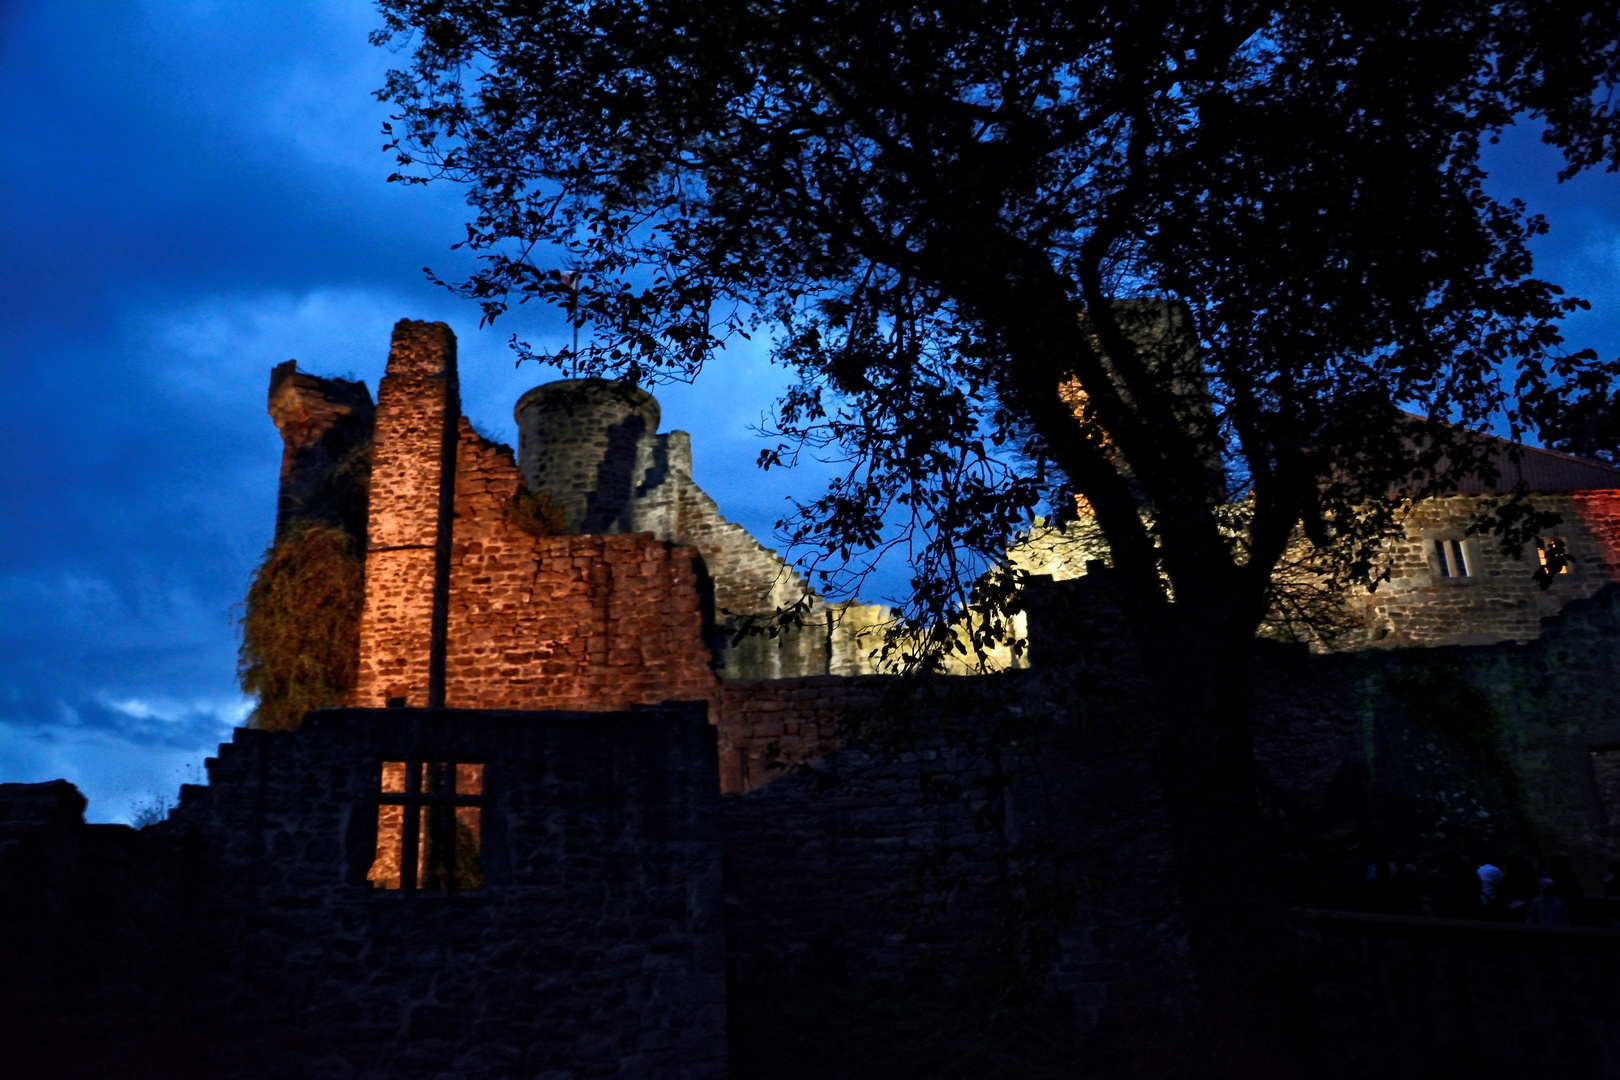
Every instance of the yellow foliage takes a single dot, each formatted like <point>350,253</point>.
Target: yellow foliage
<point>301,626</point>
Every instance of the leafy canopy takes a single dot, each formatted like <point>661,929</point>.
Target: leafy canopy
<point>1272,215</point>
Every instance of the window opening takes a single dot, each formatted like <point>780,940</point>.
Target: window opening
<point>1553,554</point>
<point>429,826</point>
<point>1453,561</point>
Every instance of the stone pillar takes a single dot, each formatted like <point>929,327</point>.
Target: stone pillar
<point>402,628</point>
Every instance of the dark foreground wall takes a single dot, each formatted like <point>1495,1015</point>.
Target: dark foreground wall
<point>242,937</point>
<point>1416,998</point>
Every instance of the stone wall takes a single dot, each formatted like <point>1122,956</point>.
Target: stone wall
<point>402,625</point>
<point>643,601</point>
<point>1500,598</point>
<point>564,622</point>
<point>943,853</point>
<point>321,421</point>
<point>769,725</point>
<point>1485,752</point>
<point>595,448</point>
<point>241,938</point>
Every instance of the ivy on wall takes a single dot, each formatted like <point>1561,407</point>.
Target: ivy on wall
<point>301,620</point>
<point>1438,698</point>
<point>301,627</point>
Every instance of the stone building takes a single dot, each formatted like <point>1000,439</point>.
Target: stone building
<point>1445,586</point>
<point>639,599</point>
<point>1449,588</point>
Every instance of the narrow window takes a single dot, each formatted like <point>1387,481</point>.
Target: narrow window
<point>429,826</point>
<point>1452,559</point>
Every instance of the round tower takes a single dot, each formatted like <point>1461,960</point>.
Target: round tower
<point>582,442</point>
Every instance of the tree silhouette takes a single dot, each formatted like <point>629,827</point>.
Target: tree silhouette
<point>1227,272</point>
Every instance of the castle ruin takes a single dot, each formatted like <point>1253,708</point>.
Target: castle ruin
<point>550,833</point>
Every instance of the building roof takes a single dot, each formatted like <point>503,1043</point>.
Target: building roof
<point>1541,470</point>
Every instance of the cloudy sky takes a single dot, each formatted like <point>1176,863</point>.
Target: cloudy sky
<point>194,192</point>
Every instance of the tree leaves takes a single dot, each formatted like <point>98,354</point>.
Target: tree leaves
<point>1272,215</point>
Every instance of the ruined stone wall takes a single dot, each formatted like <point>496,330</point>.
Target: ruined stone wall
<point>1484,751</point>
<point>638,604</point>
<point>402,625</point>
<point>321,421</point>
<point>241,938</point>
<point>769,725</point>
<point>751,579</point>
<point>564,622</point>
<point>1499,599</point>
<point>594,447</point>
<point>935,853</point>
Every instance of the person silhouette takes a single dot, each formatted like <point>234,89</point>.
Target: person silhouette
<point>1546,909</point>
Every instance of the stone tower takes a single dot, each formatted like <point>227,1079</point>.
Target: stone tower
<point>594,448</point>
<point>590,445</point>
<point>321,421</point>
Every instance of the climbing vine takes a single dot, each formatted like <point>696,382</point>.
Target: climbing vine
<point>301,625</point>
<point>301,619</point>
<point>536,513</point>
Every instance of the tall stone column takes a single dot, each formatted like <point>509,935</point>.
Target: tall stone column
<point>402,627</point>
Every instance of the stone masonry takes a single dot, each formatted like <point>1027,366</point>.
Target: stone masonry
<point>564,622</point>
<point>242,938</point>
<point>1500,599</point>
<point>594,447</point>
<point>640,602</point>
<point>320,420</point>
<point>402,625</point>
<point>1497,598</point>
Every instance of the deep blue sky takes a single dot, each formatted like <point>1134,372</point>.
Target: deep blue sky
<point>193,193</point>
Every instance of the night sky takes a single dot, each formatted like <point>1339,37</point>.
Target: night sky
<point>195,192</point>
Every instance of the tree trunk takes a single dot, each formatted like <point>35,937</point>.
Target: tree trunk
<point>1246,1020</point>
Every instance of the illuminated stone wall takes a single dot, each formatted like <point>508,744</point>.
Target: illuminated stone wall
<point>1499,599</point>
<point>465,608</point>
<point>412,482</point>
<point>564,622</point>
